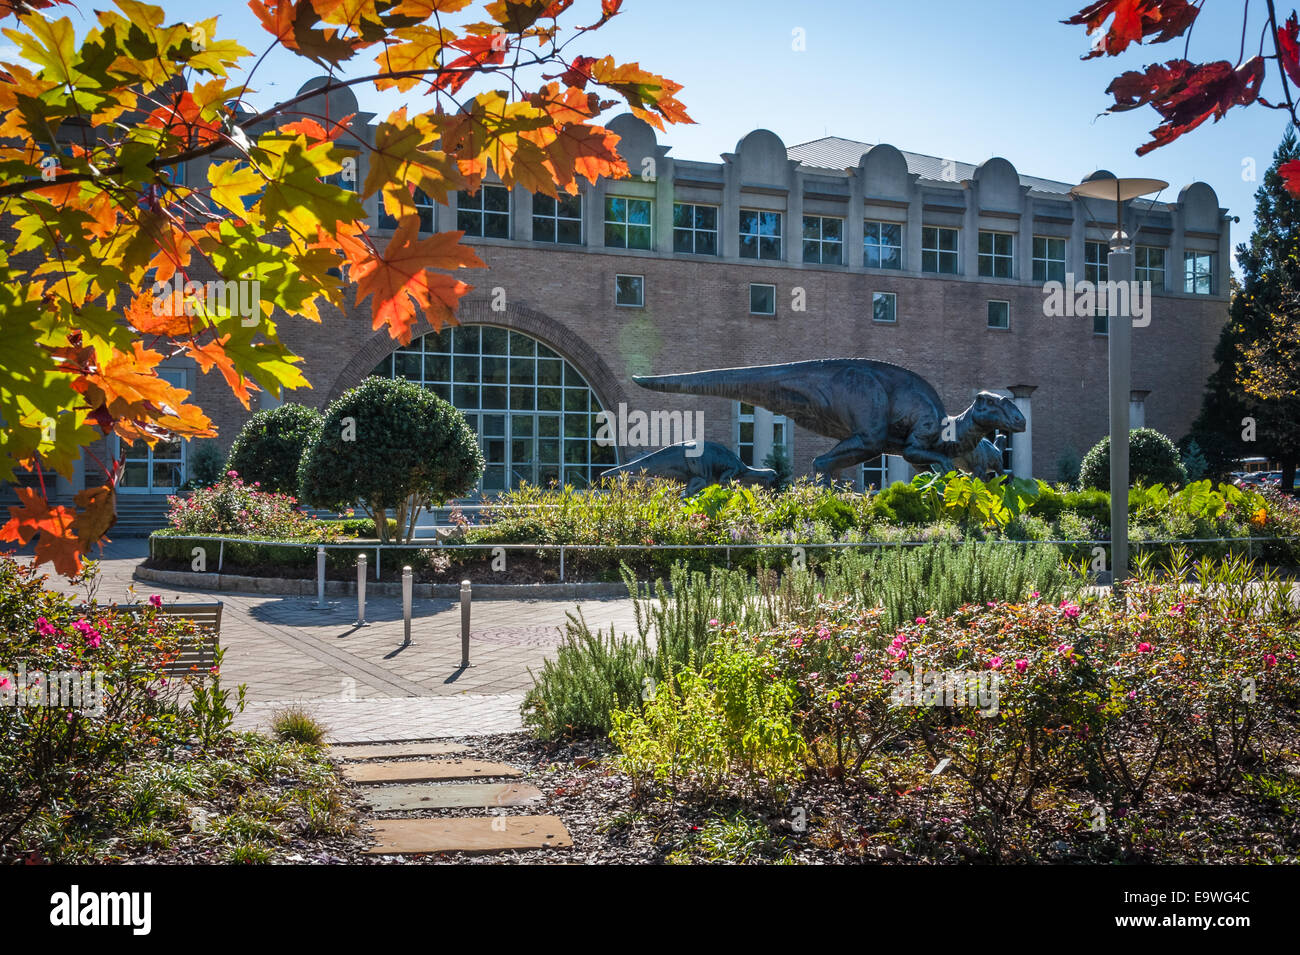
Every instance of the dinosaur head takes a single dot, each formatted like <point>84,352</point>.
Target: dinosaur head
<point>994,412</point>
<point>984,460</point>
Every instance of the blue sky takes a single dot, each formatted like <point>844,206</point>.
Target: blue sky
<point>949,78</point>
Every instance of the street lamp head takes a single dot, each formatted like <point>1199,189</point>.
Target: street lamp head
<point>1103,185</point>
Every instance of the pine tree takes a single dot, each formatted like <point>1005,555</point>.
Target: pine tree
<point>1270,270</point>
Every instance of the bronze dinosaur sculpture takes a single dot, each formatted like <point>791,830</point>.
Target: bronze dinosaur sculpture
<point>870,407</point>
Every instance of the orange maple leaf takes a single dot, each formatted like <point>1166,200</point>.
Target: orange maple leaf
<point>214,354</point>
<point>97,512</point>
<point>56,541</point>
<point>403,278</point>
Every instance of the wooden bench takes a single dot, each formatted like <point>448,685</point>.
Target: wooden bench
<point>197,652</point>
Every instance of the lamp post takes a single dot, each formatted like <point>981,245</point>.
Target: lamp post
<point>1119,268</point>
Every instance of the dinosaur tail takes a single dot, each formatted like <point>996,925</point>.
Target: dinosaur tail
<point>750,385</point>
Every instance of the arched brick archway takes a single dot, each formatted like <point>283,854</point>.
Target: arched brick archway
<point>520,318</point>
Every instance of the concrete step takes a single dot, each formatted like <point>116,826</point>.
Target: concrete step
<point>437,770</point>
<point>472,835</point>
<point>409,797</point>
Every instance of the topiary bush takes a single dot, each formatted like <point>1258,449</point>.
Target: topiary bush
<point>389,444</point>
<point>268,449</point>
<point>1152,459</point>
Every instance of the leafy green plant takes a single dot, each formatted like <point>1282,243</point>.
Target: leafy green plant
<point>729,718</point>
<point>210,708</point>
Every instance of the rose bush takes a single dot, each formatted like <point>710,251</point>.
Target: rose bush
<point>244,510</point>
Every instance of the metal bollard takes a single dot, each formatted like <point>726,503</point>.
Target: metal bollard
<point>407,584</point>
<point>320,578</point>
<point>465,597</point>
<point>361,590</point>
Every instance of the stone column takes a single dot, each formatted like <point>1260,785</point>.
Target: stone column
<point>729,213</point>
<point>897,470</point>
<point>1022,444</point>
<point>793,228</point>
<point>663,209</point>
<point>521,214</point>
<point>1137,409</point>
<point>762,435</point>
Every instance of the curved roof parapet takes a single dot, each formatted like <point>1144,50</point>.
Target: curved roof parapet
<point>1099,174</point>
<point>1200,206</point>
<point>884,172</point>
<point>999,184</point>
<point>339,102</point>
<point>636,140</point>
<point>762,158</point>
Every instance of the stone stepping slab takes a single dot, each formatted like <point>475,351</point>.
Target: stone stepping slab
<point>452,796</point>
<point>473,835</point>
<point>396,750</point>
<point>437,770</point>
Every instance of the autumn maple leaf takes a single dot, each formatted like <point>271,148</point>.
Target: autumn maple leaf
<point>51,527</point>
<point>403,278</point>
<point>1186,94</point>
<point>1290,173</point>
<point>1133,21</point>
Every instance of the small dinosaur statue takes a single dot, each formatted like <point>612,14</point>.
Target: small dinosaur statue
<point>870,407</point>
<point>698,467</point>
<point>984,460</point>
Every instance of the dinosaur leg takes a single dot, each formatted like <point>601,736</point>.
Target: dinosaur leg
<point>695,486</point>
<point>852,450</point>
<point>922,458</point>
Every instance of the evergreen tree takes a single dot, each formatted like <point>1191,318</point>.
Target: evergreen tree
<point>1270,269</point>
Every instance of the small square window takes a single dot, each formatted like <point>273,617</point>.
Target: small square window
<point>999,314</point>
<point>884,307</point>
<point>629,291</point>
<point>762,299</point>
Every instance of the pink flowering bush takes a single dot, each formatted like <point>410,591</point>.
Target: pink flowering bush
<point>232,507</point>
<point>1197,684</point>
<point>52,753</point>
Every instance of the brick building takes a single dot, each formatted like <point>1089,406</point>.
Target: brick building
<point>827,249</point>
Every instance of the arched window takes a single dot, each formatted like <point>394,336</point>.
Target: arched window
<point>534,413</point>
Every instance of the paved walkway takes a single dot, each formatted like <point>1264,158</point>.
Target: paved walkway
<point>363,684</point>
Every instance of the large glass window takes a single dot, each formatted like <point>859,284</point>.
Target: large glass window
<point>745,433</point>
<point>996,254</point>
<point>557,220</point>
<point>1049,259</point>
<point>627,223</point>
<point>1198,273</point>
<point>882,245</point>
<point>695,229</point>
<point>423,208</point>
<point>1149,266</point>
<point>823,240</point>
<point>534,413</point>
<point>939,250</point>
<point>486,213</point>
<point>760,234</point>
<point>1096,269</point>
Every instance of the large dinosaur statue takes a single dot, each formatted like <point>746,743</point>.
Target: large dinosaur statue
<point>870,407</point>
<point>697,467</point>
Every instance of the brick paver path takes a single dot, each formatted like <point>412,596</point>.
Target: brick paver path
<point>360,681</point>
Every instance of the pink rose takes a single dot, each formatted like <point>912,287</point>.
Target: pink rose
<point>1022,666</point>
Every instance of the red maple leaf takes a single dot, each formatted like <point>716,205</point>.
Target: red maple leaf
<point>1186,94</point>
<point>1133,21</point>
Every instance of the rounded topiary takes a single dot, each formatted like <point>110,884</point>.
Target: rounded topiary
<point>389,444</point>
<point>268,449</point>
<point>1152,459</point>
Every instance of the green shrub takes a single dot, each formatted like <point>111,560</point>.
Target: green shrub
<point>205,463</point>
<point>269,447</point>
<point>1153,459</point>
<point>389,444</point>
<point>904,504</point>
<point>701,728</point>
